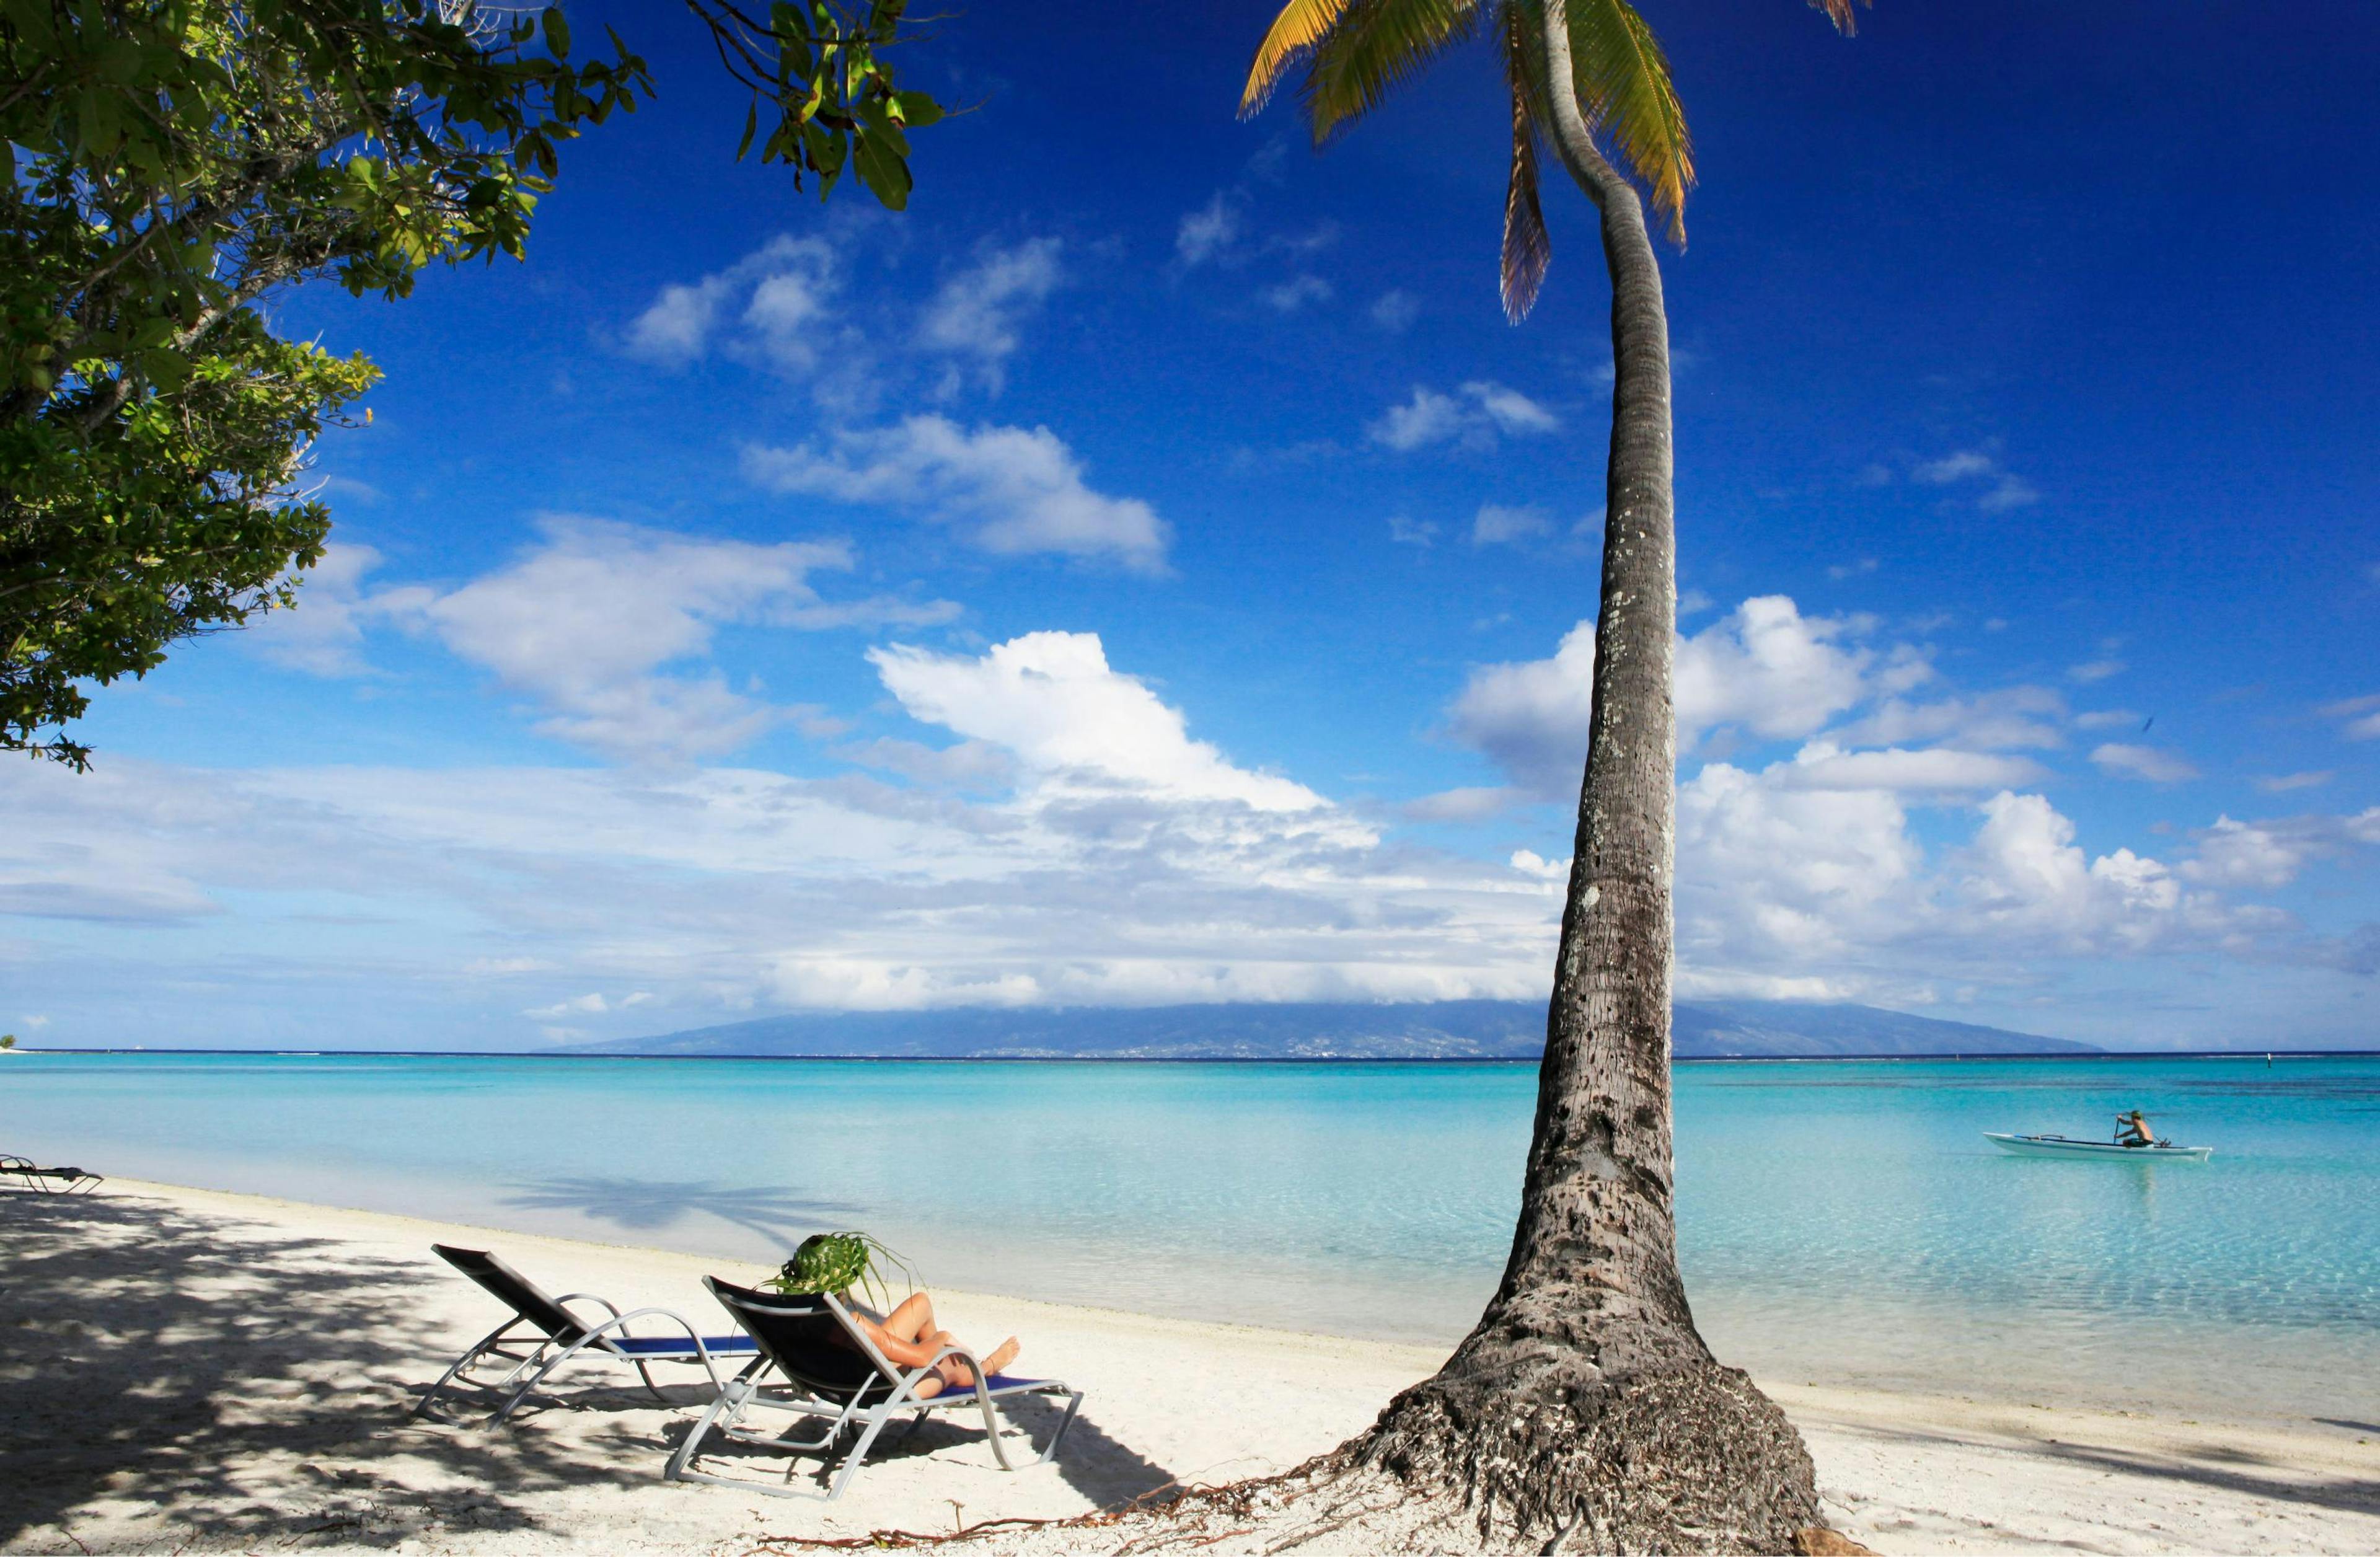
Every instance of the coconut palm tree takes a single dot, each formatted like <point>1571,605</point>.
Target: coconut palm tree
<point>1585,1400</point>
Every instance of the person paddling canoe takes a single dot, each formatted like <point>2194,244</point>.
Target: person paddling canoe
<point>2132,1129</point>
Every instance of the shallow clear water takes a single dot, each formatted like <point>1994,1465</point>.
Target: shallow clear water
<point>1839,1220</point>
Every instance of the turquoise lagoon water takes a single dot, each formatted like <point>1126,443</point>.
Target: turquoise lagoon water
<point>1839,1222</point>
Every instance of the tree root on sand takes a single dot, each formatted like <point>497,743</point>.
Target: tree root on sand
<point>1694,1461</point>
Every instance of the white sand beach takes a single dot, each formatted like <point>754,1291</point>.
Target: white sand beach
<point>186,1370</point>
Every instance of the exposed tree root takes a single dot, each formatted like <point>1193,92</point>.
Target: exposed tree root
<point>1693,1461</point>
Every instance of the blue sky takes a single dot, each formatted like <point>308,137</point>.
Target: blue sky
<point>1148,569</point>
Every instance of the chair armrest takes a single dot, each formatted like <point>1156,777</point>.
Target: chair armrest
<point>567,1298</point>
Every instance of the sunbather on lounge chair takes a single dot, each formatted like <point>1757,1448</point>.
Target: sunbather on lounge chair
<point>834,1262</point>
<point>908,1336</point>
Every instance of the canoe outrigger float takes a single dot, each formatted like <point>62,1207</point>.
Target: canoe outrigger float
<point>2061,1146</point>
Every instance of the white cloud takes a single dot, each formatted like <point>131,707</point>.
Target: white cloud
<point>1475,804</point>
<point>1765,667</point>
<point>979,312</point>
<point>1496,523</point>
<point>1051,699</point>
<point>1472,417</point>
<point>1395,310</point>
<point>1993,720</point>
<point>786,287</point>
<point>1010,490</point>
<point>1825,765</point>
<point>585,621</point>
<point>2239,854</point>
<point>1209,231</point>
<point>2276,784</point>
<point>2106,718</point>
<point>1952,468</point>
<point>2361,717</point>
<point>324,633</point>
<point>1407,531</point>
<point>2154,764</point>
<point>2097,670</point>
<point>2002,489</point>
<point>1290,295</point>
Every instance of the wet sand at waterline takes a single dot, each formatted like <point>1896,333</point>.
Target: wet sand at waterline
<point>193,1370</point>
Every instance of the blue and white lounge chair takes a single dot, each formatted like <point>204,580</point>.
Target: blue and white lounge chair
<point>830,1368</point>
<point>543,1333</point>
<point>26,1173</point>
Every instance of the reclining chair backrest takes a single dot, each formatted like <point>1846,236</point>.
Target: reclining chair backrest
<point>809,1341</point>
<point>518,1292</point>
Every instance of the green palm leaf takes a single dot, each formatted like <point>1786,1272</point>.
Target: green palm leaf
<point>1622,81</point>
<point>1377,46</point>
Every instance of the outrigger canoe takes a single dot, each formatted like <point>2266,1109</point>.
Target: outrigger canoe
<point>2060,1146</point>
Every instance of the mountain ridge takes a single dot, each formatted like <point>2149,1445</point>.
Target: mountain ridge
<point>1326,1030</point>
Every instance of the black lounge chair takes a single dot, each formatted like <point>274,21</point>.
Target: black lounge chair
<point>830,1368</point>
<point>543,1333</point>
<point>25,1173</point>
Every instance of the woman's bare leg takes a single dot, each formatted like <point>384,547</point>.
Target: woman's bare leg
<point>913,1319</point>
<point>957,1372</point>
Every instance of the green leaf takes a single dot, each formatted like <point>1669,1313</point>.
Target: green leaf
<point>917,109</point>
<point>883,170</point>
<point>751,123</point>
<point>557,31</point>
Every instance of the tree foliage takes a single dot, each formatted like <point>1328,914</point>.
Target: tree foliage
<point>172,164</point>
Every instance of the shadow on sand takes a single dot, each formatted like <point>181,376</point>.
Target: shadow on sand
<point>234,1381</point>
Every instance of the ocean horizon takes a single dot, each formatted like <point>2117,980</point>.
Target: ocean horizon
<point>1840,1221</point>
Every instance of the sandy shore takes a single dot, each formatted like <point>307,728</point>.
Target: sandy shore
<point>183,1370</point>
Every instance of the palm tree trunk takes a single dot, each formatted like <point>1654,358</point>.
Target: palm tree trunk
<point>1586,1400</point>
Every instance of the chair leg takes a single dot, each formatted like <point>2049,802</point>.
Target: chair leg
<point>876,1419</point>
<point>469,1357</point>
<point>729,1401</point>
<point>1074,1404</point>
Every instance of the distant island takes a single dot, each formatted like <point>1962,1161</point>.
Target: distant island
<point>1469,1029</point>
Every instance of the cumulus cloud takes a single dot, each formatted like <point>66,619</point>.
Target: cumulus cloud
<point>1765,667</point>
<point>2276,784</point>
<point>1992,721</point>
<point>1008,490</point>
<point>587,620</point>
<point>2154,764</point>
<point>1825,765</point>
<point>324,633</point>
<point>1052,699</point>
<point>1472,417</point>
<point>791,306</point>
<point>1210,231</point>
<point>977,313</point>
<point>772,304</point>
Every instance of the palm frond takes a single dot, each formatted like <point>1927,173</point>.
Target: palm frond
<point>1528,249</point>
<point>1376,45</point>
<point>1300,25</point>
<point>1623,80</point>
<point>1839,13</point>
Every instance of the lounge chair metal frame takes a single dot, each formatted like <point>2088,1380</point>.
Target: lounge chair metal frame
<point>869,1404</point>
<point>552,1336</point>
<point>24,1170</point>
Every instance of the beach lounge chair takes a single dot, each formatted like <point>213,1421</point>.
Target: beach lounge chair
<point>543,1333</point>
<point>831,1369</point>
<point>24,1173</point>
